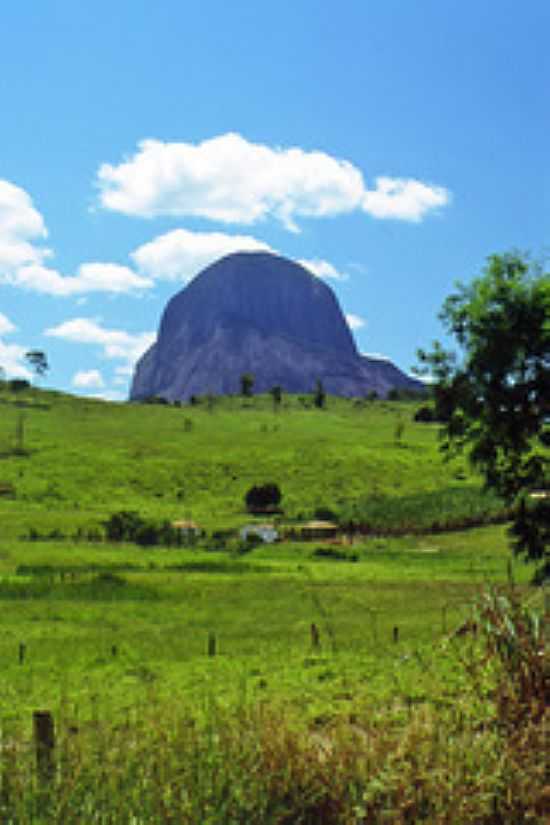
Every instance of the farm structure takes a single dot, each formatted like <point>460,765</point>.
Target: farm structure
<point>266,532</point>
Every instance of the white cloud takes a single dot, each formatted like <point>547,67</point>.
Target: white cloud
<point>323,269</point>
<point>116,344</point>
<point>91,277</point>
<point>12,356</point>
<point>89,378</point>
<point>403,199</point>
<point>6,325</point>
<point>354,321</point>
<point>21,226</point>
<point>232,180</point>
<point>12,360</point>
<point>181,254</point>
<point>22,258</point>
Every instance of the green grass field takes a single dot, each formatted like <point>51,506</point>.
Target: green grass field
<point>185,683</point>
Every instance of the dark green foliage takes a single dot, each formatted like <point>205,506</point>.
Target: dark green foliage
<point>247,383</point>
<point>337,553</point>
<point>18,384</point>
<point>155,399</point>
<point>404,394</point>
<point>319,396</point>
<point>129,526</point>
<point>276,393</point>
<point>495,396</point>
<point>425,414</point>
<point>325,514</point>
<point>263,498</point>
<point>122,526</point>
<point>38,361</point>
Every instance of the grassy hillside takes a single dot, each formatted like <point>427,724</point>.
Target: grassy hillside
<point>366,461</point>
<point>186,685</point>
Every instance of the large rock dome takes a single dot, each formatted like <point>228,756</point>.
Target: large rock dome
<point>258,313</point>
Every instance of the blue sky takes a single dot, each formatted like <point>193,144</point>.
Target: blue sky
<point>391,144</point>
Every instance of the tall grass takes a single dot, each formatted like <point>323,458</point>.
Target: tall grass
<point>466,762</point>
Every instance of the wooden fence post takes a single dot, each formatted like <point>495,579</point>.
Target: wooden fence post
<point>22,651</point>
<point>211,644</point>
<point>44,742</point>
<point>396,634</point>
<point>315,636</point>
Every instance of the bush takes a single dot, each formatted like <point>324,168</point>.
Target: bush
<point>18,384</point>
<point>263,498</point>
<point>425,414</point>
<point>123,525</point>
<point>324,514</point>
<point>335,553</point>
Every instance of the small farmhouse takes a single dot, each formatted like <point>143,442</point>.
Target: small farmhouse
<point>318,530</point>
<point>266,532</point>
<point>188,530</point>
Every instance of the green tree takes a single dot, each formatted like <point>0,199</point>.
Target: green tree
<point>247,382</point>
<point>38,362</point>
<point>277,396</point>
<point>263,498</point>
<point>496,390</point>
<point>319,395</point>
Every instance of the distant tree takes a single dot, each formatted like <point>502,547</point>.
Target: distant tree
<point>319,396</point>
<point>38,362</point>
<point>18,384</point>
<point>247,382</point>
<point>496,392</point>
<point>277,396</point>
<point>425,414</point>
<point>2,375</point>
<point>398,431</point>
<point>263,497</point>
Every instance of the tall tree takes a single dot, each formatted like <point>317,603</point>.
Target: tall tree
<point>277,396</point>
<point>319,395</point>
<point>247,382</point>
<point>496,389</point>
<point>38,361</point>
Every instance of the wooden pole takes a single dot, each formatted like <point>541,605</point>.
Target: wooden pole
<point>315,636</point>
<point>211,644</point>
<point>44,742</point>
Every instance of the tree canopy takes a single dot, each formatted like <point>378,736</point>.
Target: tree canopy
<point>38,361</point>
<point>494,394</point>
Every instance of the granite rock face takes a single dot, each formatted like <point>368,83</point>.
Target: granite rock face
<point>258,313</point>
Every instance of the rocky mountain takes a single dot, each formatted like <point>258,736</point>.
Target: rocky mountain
<point>258,313</point>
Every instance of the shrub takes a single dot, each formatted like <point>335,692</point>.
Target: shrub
<point>123,525</point>
<point>325,514</point>
<point>336,553</point>
<point>263,498</point>
<point>18,384</point>
<point>425,414</point>
<point>7,489</point>
<point>319,396</point>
